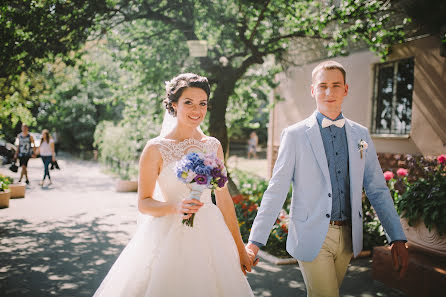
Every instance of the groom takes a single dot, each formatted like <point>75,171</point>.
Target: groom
<point>329,160</point>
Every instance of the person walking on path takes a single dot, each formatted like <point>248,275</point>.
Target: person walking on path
<point>26,149</point>
<point>56,149</point>
<point>47,154</point>
<point>252,145</point>
<point>328,159</point>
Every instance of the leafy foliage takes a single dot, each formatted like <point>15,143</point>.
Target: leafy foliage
<point>246,205</point>
<point>373,232</point>
<point>33,30</point>
<point>81,96</point>
<point>5,181</point>
<point>155,34</point>
<point>425,199</point>
<point>148,40</point>
<point>118,148</point>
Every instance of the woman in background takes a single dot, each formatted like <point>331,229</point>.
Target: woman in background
<point>47,154</point>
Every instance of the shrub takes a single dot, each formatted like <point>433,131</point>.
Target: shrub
<point>246,205</point>
<point>5,181</point>
<point>425,198</point>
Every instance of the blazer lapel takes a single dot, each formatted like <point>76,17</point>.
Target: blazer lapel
<point>356,164</point>
<point>314,137</point>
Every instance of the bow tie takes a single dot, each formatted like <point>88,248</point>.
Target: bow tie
<point>327,123</point>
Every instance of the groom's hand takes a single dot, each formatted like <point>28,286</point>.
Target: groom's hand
<point>252,251</point>
<point>400,257</point>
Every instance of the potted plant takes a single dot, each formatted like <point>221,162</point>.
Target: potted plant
<point>17,190</point>
<point>5,193</point>
<point>422,208</point>
<point>126,184</point>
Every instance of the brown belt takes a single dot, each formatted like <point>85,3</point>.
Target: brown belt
<point>340,223</point>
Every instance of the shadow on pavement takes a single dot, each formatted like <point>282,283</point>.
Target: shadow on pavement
<point>58,258</point>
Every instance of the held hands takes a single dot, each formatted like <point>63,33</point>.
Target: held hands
<point>245,261</point>
<point>400,257</point>
<point>187,207</point>
<point>252,250</point>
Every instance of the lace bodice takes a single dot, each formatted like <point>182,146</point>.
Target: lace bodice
<point>171,152</point>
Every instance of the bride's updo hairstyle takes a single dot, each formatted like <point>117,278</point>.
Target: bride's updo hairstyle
<point>178,84</point>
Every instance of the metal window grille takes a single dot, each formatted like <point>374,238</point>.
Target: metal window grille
<point>392,99</point>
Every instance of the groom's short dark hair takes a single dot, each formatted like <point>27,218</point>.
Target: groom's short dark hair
<point>329,65</point>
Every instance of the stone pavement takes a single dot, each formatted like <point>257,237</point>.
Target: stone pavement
<point>62,239</point>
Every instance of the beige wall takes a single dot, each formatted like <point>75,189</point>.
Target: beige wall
<point>429,98</point>
<point>429,94</point>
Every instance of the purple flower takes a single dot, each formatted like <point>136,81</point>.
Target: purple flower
<point>216,172</point>
<point>201,179</point>
<point>222,181</point>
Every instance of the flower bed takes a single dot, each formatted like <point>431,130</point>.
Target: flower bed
<point>246,205</point>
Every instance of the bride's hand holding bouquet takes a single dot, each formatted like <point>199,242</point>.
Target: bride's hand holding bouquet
<point>199,171</point>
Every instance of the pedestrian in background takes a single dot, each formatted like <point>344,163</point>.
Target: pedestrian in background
<point>25,151</point>
<point>252,144</point>
<point>56,149</point>
<point>47,153</point>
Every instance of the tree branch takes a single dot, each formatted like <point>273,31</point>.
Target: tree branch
<point>293,35</point>
<point>260,18</point>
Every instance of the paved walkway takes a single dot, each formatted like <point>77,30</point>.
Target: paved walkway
<point>61,240</point>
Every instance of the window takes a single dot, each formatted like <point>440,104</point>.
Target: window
<point>392,100</point>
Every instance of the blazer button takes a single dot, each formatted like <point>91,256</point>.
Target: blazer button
<point>329,194</point>
<point>327,215</point>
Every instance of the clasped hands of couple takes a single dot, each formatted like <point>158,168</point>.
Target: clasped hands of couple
<point>400,255</point>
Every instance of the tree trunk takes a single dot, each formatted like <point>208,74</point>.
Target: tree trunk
<point>217,119</point>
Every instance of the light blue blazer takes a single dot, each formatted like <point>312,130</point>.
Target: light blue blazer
<point>302,162</point>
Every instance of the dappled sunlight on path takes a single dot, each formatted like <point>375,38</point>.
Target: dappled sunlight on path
<point>62,239</point>
<point>60,258</point>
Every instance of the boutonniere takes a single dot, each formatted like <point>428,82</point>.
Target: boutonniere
<point>362,145</point>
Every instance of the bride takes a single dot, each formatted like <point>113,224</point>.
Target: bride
<point>166,258</point>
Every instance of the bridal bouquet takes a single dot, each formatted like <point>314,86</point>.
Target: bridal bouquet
<point>201,171</point>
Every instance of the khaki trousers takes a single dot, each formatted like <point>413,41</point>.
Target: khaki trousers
<point>323,276</point>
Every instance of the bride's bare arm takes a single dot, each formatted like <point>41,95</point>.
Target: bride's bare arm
<point>226,206</point>
<point>149,168</point>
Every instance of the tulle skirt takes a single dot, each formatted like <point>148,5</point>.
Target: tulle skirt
<point>167,259</point>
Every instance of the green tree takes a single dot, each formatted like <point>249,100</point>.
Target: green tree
<point>33,33</point>
<point>241,35</point>
<point>81,96</point>
<point>31,30</point>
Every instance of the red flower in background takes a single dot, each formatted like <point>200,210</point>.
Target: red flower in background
<point>284,228</point>
<point>252,207</point>
<point>441,159</point>
<point>388,175</point>
<point>244,206</point>
<point>237,198</point>
<point>402,172</point>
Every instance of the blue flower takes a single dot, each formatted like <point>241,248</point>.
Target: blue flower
<point>203,170</point>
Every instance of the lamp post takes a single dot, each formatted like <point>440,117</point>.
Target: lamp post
<point>197,48</point>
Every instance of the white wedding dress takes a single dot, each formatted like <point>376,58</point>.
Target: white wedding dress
<point>168,259</point>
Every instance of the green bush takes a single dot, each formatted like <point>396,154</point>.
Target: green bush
<point>5,181</point>
<point>252,188</point>
<point>373,232</point>
<point>246,205</point>
<point>118,149</point>
<point>425,198</point>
